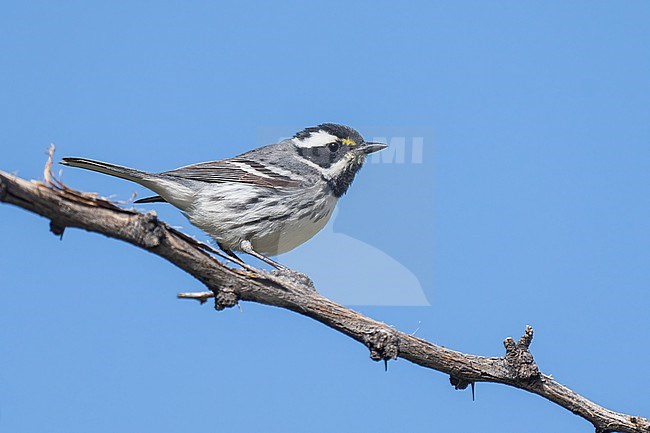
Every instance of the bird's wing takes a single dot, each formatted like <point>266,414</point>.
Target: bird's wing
<point>237,170</point>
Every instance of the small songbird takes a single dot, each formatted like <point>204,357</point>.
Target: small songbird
<point>266,201</point>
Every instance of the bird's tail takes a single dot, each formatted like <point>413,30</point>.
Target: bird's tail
<point>110,169</point>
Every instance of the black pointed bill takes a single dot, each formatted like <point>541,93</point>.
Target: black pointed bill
<point>369,147</point>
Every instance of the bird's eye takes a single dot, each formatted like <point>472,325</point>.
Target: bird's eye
<point>333,147</point>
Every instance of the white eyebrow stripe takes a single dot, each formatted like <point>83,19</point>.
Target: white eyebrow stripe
<point>315,139</point>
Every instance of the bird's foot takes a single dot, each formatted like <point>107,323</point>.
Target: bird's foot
<point>294,277</point>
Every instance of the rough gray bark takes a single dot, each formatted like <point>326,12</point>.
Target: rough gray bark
<point>67,208</point>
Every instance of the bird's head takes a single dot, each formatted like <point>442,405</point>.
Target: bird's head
<point>336,151</point>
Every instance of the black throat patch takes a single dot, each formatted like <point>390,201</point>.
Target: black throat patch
<point>340,184</point>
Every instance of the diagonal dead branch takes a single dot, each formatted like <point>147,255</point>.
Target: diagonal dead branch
<point>65,207</point>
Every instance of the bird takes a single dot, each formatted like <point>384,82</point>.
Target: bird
<point>266,201</point>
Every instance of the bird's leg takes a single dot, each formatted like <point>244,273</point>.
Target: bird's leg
<point>248,249</point>
<point>228,251</point>
<point>281,271</point>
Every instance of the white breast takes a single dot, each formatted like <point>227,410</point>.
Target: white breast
<point>274,222</point>
<point>295,231</point>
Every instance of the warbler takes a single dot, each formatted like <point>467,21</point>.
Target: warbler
<point>266,201</point>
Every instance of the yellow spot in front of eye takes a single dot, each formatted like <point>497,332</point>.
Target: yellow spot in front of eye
<point>348,142</point>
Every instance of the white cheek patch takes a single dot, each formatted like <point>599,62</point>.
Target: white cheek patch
<point>337,168</point>
<point>315,139</point>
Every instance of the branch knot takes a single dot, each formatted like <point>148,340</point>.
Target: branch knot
<point>459,382</point>
<point>57,229</point>
<point>518,358</point>
<point>383,344</point>
<point>225,298</point>
<point>150,233</point>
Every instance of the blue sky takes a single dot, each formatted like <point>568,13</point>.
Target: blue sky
<point>529,206</point>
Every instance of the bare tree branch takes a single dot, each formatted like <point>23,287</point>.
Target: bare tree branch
<point>227,285</point>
